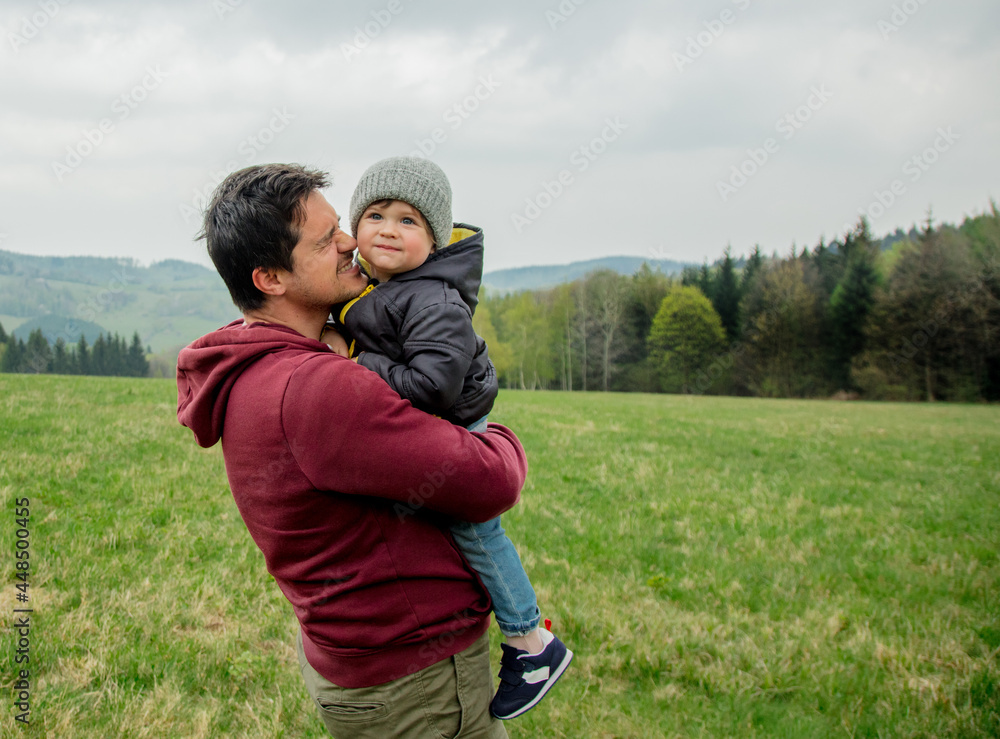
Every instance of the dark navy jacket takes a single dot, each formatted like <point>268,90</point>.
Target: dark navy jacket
<point>415,331</point>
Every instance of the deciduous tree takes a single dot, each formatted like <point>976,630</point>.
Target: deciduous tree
<point>932,331</point>
<point>686,336</point>
<point>781,354</point>
<point>607,293</point>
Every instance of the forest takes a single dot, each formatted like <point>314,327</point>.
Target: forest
<point>109,355</point>
<point>914,316</point>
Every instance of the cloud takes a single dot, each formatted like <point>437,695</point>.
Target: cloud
<point>503,97</point>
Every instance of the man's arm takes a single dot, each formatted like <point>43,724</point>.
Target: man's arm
<point>350,433</point>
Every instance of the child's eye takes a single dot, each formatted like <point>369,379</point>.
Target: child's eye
<point>409,221</point>
<point>375,216</point>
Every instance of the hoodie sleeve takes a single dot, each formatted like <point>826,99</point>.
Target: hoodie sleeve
<point>350,433</point>
<point>439,344</point>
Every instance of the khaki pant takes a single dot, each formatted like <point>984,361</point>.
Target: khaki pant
<point>448,700</point>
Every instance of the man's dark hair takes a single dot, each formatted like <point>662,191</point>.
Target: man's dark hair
<point>253,221</point>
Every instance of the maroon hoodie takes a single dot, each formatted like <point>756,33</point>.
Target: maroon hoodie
<point>347,490</point>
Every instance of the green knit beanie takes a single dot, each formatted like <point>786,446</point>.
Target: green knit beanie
<point>414,180</point>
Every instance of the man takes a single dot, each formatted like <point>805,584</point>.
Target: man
<point>346,488</point>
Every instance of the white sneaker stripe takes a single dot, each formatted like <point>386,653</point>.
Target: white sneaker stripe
<point>536,676</point>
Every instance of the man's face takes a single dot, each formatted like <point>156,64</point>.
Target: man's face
<point>323,270</point>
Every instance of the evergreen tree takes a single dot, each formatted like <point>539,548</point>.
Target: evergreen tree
<point>726,296</point>
<point>13,357</point>
<point>827,260</point>
<point>118,364</point>
<point>61,358</point>
<point>82,360</point>
<point>112,362</point>
<point>99,356</point>
<point>705,282</point>
<point>690,276</point>
<point>851,303</point>
<point>699,277</point>
<point>137,364</point>
<point>750,271</point>
<point>3,335</point>
<point>38,358</point>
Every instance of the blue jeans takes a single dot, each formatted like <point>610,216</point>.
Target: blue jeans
<point>492,555</point>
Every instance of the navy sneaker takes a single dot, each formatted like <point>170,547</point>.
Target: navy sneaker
<point>526,678</point>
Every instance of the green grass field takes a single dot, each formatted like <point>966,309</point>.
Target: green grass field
<point>722,567</point>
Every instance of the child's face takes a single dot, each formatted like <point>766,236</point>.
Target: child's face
<point>393,238</point>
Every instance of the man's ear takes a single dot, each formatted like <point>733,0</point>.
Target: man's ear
<point>268,281</point>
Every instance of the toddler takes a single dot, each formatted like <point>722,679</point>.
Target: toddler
<point>413,326</point>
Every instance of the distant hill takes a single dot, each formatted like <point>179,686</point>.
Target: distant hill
<point>56,327</point>
<point>171,303</point>
<point>534,278</point>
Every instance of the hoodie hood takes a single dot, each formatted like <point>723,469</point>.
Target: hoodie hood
<point>208,368</point>
<point>460,264</point>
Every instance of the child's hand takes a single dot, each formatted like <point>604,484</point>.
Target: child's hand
<point>335,341</point>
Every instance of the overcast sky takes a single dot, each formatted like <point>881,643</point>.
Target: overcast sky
<point>570,130</point>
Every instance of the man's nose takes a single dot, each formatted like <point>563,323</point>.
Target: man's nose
<point>346,242</point>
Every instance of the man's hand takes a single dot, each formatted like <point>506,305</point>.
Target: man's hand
<point>335,341</point>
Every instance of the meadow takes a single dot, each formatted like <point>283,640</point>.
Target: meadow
<point>722,567</point>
